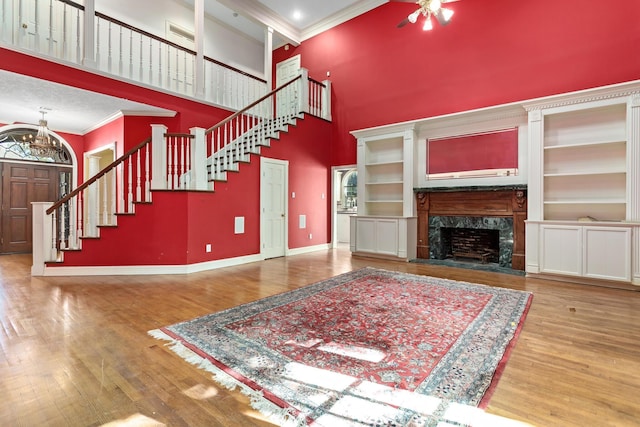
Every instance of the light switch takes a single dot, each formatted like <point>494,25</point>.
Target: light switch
<point>239,225</point>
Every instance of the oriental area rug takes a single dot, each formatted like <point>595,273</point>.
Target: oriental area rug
<point>366,348</point>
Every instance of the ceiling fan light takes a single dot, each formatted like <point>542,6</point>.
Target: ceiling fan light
<point>428,25</point>
<point>414,16</point>
<point>435,5</point>
<point>446,14</point>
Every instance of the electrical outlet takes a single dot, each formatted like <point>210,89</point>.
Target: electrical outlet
<point>208,247</point>
<point>310,236</point>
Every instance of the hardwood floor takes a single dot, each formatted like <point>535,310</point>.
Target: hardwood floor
<point>75,351</point>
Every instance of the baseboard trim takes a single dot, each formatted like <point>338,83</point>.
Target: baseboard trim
<point>138,270</point>
<point>308,249</point>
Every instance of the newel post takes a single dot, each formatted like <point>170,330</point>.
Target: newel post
<point>304,91</point>
<point>158,158</point>
<point>89,35</point>
<point>42,237</point>
<point>326,100</point>
<point>199,179</point>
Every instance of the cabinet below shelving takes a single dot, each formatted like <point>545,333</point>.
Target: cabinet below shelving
<point>591,251</point>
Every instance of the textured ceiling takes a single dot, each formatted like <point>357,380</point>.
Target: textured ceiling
<point>69,109</point>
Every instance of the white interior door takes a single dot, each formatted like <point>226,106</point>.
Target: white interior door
<point>273,207</point>
<point>40,24</point>
<point>286,71</point>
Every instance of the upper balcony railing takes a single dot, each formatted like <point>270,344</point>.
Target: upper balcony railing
<point>58,29</point>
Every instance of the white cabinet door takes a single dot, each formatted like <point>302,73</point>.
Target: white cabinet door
<point>376,235</point>
<point>365,240</point>
<point>387,236</point>
<point>561,249</point>
<point>607,253</point>
<point>596,252</point>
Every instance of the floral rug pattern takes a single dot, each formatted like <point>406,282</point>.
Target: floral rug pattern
<point>369,347</point>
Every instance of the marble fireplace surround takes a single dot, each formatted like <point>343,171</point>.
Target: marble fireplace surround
<point>496,207</point>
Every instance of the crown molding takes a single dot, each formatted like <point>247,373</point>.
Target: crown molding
<point>259,12</point>
<point>603,93</point>
<point>124,113</point>
<point>340,17</point>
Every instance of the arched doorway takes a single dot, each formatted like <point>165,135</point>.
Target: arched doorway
<point>28,177</point>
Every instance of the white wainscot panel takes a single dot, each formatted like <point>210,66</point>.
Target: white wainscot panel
<point>607,253</point>
<point>561,249</point>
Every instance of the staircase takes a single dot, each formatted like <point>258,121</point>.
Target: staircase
<point>170,161</point>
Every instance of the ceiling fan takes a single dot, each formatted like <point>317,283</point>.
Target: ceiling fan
<point>428,8</point>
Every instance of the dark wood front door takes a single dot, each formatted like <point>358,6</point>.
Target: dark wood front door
<point>22,184</point>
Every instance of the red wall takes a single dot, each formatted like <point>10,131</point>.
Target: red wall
<point>492,52</point>
<point>177,226</point>
<point>112,132</point>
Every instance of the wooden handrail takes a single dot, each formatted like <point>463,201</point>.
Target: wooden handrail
<point>73,4</point>
<point>179,135</point>
<point>234,69</point>
<point>317,82</point>
<point>97,176</point>
<point>250,106</point>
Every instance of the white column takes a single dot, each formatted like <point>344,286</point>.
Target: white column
<point>633,159</point>
<point>199,40</point>
<point>92,200</point>
<point>198,171</point>
<point>326,100</point>
<point>535,206</point>
<point>536,167</point>
<point>303,92</point>
<point>268,58</point>
<point>42,237</point>
<point>89,55</point>
<point>158,158</point>
<point>633,180</point>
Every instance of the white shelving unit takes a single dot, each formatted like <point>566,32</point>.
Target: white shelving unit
<point>584,207</point>
<point>584,163</point>
<point>385,224</point>
<point>383,176</point>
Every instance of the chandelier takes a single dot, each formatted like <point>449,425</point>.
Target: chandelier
<point>43,145</point>
<point>428,8</point>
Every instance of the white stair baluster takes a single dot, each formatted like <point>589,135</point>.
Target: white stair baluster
<point>129,186</point>
<point>147,183</point>
<point>138,177</point>
<point>121,194</point>
<point>105,201</point>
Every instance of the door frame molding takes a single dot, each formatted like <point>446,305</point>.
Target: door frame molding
<point>285,164</point>
<point>72,153</point>
<point>336,187</point>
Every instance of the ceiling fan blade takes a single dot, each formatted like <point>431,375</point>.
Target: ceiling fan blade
<point>402,23</point>
<point>440,17</point>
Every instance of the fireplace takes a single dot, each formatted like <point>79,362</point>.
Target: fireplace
<point>476,239</point>
<point>485,223</point>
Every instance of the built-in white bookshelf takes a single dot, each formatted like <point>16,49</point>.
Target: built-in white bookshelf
<point>385,224</point>
<point>583,201</point>
<point>585,164</point>
<point>383,176</point>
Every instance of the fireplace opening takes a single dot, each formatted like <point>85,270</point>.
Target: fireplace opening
<point>480,245</point>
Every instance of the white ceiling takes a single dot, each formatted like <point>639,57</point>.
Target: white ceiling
<point>69,109</point>
<point>77,111</point>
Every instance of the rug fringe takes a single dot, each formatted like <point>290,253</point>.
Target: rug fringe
<point>282,416</point>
